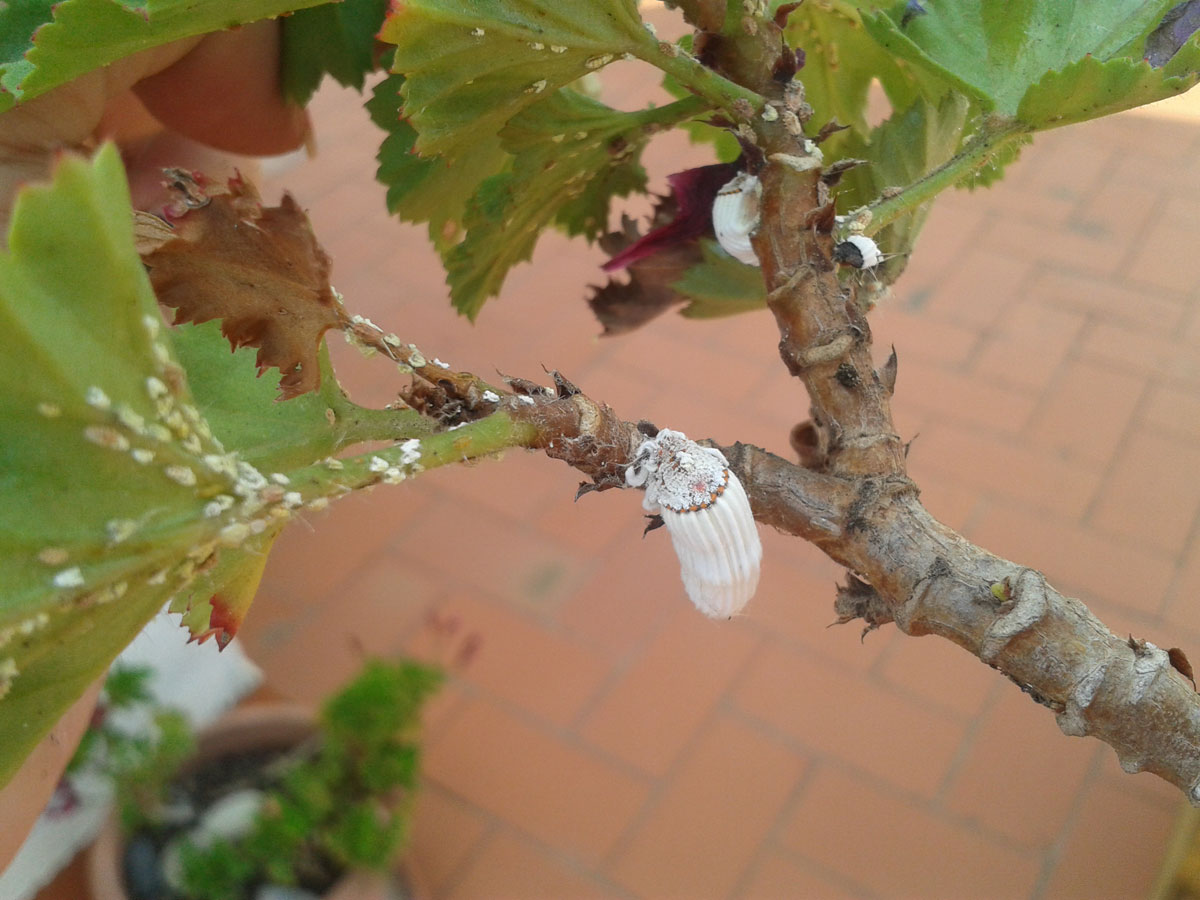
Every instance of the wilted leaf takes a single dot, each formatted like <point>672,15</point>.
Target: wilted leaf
<point>261,271</point>
<point>622,306</point>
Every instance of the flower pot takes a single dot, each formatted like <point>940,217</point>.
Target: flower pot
<point>259,726</point>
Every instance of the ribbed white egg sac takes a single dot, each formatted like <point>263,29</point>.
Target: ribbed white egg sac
<point>720,554</point>
<point>708,516</point>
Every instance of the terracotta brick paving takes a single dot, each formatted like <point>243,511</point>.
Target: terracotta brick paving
<point>607,741</point>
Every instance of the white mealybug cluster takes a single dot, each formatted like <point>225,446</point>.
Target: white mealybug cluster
<point>708,516</point>
<point>735,216</point>
<point>858,251</point>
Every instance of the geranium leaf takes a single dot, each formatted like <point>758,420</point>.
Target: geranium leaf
<point>428,189</point>
<point>44,44</point>
<point>336,38</point>
<point>720,285</point>
<point>111,483</point>
<point>1089,88</point>
<point>996,51</point>
<point>571,154</point>
<point>472,65</point>
<point>899,151</point>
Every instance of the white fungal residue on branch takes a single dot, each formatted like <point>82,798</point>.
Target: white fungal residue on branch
<point>708,516</point>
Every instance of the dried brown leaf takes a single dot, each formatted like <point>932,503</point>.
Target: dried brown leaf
<point>259,270</point>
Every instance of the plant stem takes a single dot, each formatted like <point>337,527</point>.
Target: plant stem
<point>394,464</point>
<point>698,78</point>
<point>359,423</point>
<point>986,144</point>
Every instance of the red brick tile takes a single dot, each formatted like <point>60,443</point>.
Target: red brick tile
<point>630,594</point>
<point>522,662</point>
<point>1144,785</point>
<point>690,366</point>
<point>516,484</point>
<point>706,825</point>
<point>367,616</point>
<point>795,601</point>
<point>1065,163</point>
<point>475,548</point>
<point>444,832</point>
<point>1075,559</point>
<point>982,283</point>
<point>1085,412</point>
<point>920,336</point>
<point>953,396</point>
<point>594,522</point>
<point>657,706</point>
<point>509,868</point>
<point>1141,353</point>
<point>1164,131</point>
<point>775,876</point>
<point>567,798</point>
<point>1113,849</point>
<point>1021,775</point>
<point>1156,261</point>
<point>848,717</point>
<point>1182,608</point>
<point>1148,310</point>
<point>1001,467</point>
<point>1027,346</point>
<point>952,504</point>
<point>896,848</point>
<point>1152,495</point>
<point>1098,249</point>
<point>938,673</point>
<point>1173,411</point>
<point>315,555</point>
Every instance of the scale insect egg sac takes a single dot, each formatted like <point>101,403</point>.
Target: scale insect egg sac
<point>708,516</point>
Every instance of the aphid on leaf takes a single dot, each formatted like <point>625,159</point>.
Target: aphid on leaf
<point>735,216</point>
<point>708,516</point>
<point>859,252</point>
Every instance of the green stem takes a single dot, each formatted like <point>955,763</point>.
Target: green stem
<point>396,463</point>
<point>676,112</point>
<point>697,78</point>
<point>986,144</point>
<point>357,424</point>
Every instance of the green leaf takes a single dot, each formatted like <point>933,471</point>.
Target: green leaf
<point>44,44</point>
<point>472,65</point>
<point>571,154</point>
<point>995,50</point>
<point>337,38</point>
<point>899,151</point>
<point>841,61</point>
<point>115,493</point>
<point>1089,88</point>
<point>424,189</point>
<point>721,285</point>
<point>242,410</point>
<point>89,381</point>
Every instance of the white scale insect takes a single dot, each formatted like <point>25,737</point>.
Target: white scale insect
<point>735,216</point>
<point>708,516</point>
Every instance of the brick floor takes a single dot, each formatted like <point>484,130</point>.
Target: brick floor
<point>607,742</point>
